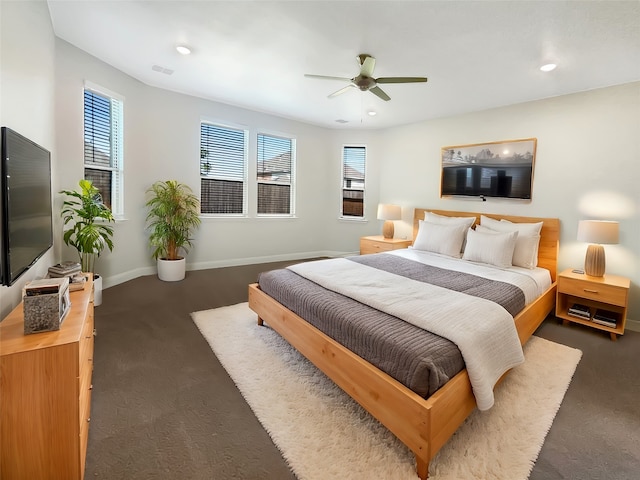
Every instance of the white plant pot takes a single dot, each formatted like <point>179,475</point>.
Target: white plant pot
<point>97,290</point>
<point>171,270</point>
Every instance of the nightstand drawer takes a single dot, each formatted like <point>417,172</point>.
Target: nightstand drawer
<point>598,292</point>
<point>371,246</point>
<point>379,244</point>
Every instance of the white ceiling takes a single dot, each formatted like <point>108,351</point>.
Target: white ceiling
<point>254,54</point>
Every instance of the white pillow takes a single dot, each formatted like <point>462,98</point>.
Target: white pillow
<point>492,248</point>
<point>526,251</point>
<point>444,220</point>
<point>484,229</point>
<point>443,239</point>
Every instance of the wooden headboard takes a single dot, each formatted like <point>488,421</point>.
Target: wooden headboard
<point>549,235</point>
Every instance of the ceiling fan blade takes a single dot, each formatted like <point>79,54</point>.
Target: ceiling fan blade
<point>380,93</point>
<point>325,77</point>
<point>401,79</point>
<point>367,64</point>
<point>342,90</point>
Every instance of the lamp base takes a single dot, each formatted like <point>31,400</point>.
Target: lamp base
<point>594,261</point>
<point>387,229</point>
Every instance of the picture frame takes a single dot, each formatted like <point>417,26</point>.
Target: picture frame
<point>491,169</point>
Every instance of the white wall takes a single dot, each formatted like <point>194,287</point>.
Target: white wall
<point>587,166</point>
<point>161,138</point>
<point>27,64</point>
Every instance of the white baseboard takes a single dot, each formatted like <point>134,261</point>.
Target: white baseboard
<point>232,262</point>
<point>126,276</point>
<point>633,325</point>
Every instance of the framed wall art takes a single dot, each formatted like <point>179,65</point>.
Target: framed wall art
<point>494,169</point>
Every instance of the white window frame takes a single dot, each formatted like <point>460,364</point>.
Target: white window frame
<point>117,146</point>
<point>292,175</point>
<point>364,183</point>
<point>245,174</point>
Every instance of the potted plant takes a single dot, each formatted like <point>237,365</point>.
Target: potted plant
<point>86,214</point>
<point>173,216</point>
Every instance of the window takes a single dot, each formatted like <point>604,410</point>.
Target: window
<point>353,168</point>
<point>103,147</point>
<point>276,158</point>
<point>223,159</point>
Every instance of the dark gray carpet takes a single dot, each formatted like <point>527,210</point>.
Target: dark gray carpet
<point>164,408</point>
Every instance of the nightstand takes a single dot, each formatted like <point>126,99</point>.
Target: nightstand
<point>378,243</point>
<point>609,294</point>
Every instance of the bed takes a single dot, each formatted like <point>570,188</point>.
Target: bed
<point>423,424</point>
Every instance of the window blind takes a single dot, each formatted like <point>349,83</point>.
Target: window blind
<point>223,155</point>
<point>103,147</point>
<point>353,180</point>
<point>274,175</point>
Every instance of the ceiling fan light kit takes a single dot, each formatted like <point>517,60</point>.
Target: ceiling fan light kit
<point>365,80</point>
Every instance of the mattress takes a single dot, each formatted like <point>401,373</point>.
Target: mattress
<point>419,359</point>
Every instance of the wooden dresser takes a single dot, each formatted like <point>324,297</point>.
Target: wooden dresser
<point>45,394</point>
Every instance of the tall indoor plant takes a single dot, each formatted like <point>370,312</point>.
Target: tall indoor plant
<point>173,216</point>
<point>87,215</point>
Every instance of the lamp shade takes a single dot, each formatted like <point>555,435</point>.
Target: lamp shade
<point>389,212</point>
<point>598,231</point>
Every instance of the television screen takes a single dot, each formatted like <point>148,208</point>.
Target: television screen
<point>498,169</point>
<point>25,204</point>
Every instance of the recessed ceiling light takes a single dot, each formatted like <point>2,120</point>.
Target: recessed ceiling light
<point>183,50</point>
<point>548,67</point>
<point>340,120</point>
<point>372,113</point>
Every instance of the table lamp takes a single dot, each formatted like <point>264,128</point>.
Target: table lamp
<point>596,232</point>
<point>388,213</point>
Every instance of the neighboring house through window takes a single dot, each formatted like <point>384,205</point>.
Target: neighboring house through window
<point>353,175</point>
<point>223,170</point>
<point>275,175</point>
<point>103,145</point>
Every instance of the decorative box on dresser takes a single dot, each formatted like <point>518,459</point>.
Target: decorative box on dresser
<point>45,394</point>
<point>609,293</point>
<point>377,244</point>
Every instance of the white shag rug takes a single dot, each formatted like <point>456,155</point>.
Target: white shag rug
<point>322,433</point>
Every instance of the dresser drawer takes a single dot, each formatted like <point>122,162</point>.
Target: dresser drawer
<point>598,292</point>
<point>86,340</point>
<point>85,419</point>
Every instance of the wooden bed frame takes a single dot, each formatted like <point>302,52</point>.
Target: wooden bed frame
<point>423,425</point>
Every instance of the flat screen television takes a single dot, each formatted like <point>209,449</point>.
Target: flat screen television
<point>26,226</point>
<point>497,169</point>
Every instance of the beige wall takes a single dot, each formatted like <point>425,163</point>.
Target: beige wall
<point>161,138</point>
<point>587,166</point>
<point>27,64</point>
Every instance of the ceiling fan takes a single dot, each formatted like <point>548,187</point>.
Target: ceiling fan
<point>365,81</point>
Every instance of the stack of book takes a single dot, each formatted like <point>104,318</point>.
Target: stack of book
<point>580,311</point>
<point>72,271</point>
<point>64,269</point>
<point>606,318</point>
